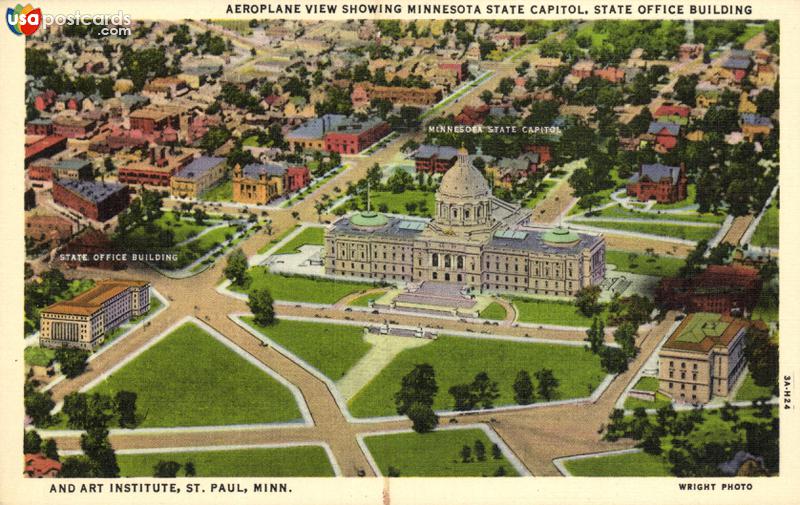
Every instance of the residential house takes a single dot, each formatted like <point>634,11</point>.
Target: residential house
<point>662,183</point>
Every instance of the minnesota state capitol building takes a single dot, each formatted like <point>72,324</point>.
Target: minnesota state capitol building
<point>474,239</point>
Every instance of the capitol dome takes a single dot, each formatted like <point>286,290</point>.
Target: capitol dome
<point>463,201</point>
<point>464,180</point>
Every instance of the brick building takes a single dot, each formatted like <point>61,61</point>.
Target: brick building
<point>658,182</point>
<point>39,126</point>
<point>435,159</point>
<point>50,229</point>
<point>154,119</point>
<point>398,95</point>
<point>259,183</point>
<point>311,134</point>
<point>353,136</point>
<point>74,127</point>
<point>471,116</point>
<point>664,134</point>
<point>725,289</point>
<point>158,168</point>
<point>99,201</point>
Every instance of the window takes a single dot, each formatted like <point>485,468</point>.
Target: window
<point>670,384</point>
<point>435,260</point>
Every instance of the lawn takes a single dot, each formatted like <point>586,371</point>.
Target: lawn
<point>695,233</point>
<point>530,310</point>
<point>767,233</point>
<point>191,379</point>
<point>39,356</point>
<point>636,464</point>
<point>694,217</point>
<point>647,384</point>
<point>434,454</point>
<point>749,390</point>
<point>182,229</point>
<point>363,301</point>
<point>395,203</point>
<point>456,360</point>
<point>544,188</point>
<point>660,401</point>
<point>330,348</point>
<point>493,311</point>
<point>295,288</point>
<point>222,192</point>
<point>644,264</point>
<point>277,239</point>
<point>310,236</point>
<point>749,32</point>
<point>305,461</point>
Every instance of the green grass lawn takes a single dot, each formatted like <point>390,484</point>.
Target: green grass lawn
<point>530,310</point>
<point>767,233</point>
<point>493,311</point>
<point>434,454</point>
<point>331,348</point>
<point>749,32</point>
<point>309,236</point>
<point>305,461</point>
<point>695,233</point>
<point>647,384</point>
<point>277,239</point>
<point>695,217</point>
<point>396,202</point>
<point>660,401</point>
<point>191,379</point>
<point>644,264</point>
<point>222,192</point>
<point>456,360</point>
<point>638,464</point>
<point>749,390</point>
<point>39,356</point>
<point>544,189</point>
<point>363,301</point>
<point>182,229</point>
<point>691,199</point>
<point>300,289</point>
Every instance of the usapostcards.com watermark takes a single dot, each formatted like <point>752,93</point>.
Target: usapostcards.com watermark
<point>27,20</point>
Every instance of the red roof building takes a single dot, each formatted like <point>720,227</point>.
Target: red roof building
<point>37,466</point>
<point>725,289</point>
<point>471,116</point>
<point>610,74</point>
<point>297,178</point>
<point>43,147</point>
<point>662,183</point>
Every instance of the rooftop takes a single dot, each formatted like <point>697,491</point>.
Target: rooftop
<point>658,126</point>
<point>316,128</point>
<point>655,172</point>
<point>93,191</point>
<point>702,331</point>
<point>92,300</point>
<point>199,167</point>
<point>255,170</point>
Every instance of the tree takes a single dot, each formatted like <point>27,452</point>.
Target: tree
<point>462,394</point>
<point>497,453</point>
<point>38,405</point>
<point>523,388</point>
<point>484,390</point>
<point>625,336</point>
<point>189,470</point>
<point>651,443</point>
<point>73,361</point>
<point>586,300</point>
<point>595,335</point>
<point>417,386</point>
<point>166,469</point>
<point>97,448</point>
<point>261,305</point>
<point>75,467</point>
<point>547,384</point>
<point>480,451</point>
<point>125,406</point>
<point>236,269</point>
<point>200,216</point>
<point>762,358</point>
<point>32,442</point>
<point>50,449</point>
<point>501,471</point>
<point>613,360</point>
<point>75,408</point>
<point>392,472</point>
<point>423,418</point>
<point>466,454</point>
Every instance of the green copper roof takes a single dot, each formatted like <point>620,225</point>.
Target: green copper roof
<point>368,219</point>
<point>702,325</point>
<point>560,236</point>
